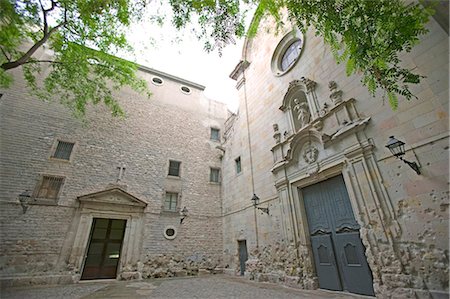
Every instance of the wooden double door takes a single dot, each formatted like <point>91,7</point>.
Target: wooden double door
<point>338,251</point>
<point>104,249</point>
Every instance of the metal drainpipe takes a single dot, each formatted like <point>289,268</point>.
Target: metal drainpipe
<point>250,155</point>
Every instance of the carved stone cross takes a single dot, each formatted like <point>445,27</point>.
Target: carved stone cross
<point>121,173</point>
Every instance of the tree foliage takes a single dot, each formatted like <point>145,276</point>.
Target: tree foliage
<point>367,35</point>
<point>84,35</point>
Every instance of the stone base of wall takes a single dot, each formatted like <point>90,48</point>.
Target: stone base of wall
<point>282,264</point>
<point>159,266</point>
<point>15,281</point>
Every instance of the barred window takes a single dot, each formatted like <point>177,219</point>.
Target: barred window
<point>170,203</point>
<point>63,150</point>
<point>50,187</point>
<point>214,175</point>
<point>174,168</point>
<point>215,134</point>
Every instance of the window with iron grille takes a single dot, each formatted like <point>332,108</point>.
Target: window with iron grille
<point>215,134</point>
<point>50,187</point>
<point>63,150</point>
<point>171,201</point>
<point>174,168</point>
<point>237,161</point>
<point>214,175</point>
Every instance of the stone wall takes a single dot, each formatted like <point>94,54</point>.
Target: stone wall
<point>168,125</point>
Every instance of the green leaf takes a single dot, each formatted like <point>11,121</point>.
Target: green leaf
<point>393,100</point>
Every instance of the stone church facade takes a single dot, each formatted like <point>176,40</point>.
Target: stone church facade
<point>297,188</point>
<point>343,212</point>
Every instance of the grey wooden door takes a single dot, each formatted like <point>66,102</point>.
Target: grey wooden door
<point>243,256</point>
<point>338,251</point>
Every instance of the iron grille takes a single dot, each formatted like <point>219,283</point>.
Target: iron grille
<point>63,150</point>
<point>50,187</point>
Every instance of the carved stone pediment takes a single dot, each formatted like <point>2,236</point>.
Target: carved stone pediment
<point>304,84</point>
<point>115,196</point>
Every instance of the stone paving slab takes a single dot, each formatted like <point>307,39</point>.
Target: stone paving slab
<point>214,287</point>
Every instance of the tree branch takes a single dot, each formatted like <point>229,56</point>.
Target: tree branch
<point>25,57</point>
<point>4,53</point>
<point>40,61</point>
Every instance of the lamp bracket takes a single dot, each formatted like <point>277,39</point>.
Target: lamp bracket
<point>265,210</point>
<point>413,165</point>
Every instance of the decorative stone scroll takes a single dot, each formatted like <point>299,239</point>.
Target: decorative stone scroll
<point>335,94</point>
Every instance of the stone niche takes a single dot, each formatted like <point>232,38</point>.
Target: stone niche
<point>112,203</point>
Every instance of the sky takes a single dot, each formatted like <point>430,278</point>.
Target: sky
<point>187,59</point>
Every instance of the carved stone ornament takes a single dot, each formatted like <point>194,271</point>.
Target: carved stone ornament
<point>302,113</point>
<point>310,84</point>
<point>324,110</point>
<point>310,154</point>
<point>276,134</point>
<point>335,94</point>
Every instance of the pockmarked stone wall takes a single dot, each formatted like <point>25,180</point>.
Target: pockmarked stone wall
<point>403,216</point>
<point>51,238</point>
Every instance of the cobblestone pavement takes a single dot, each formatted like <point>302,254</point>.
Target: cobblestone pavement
<point>217,286</point>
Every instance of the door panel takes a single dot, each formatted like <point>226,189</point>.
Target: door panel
<point>355,270</point>
<point>243,256</point>
<point>104,248</point>
<point>333,227</point>
<point>325,262</point>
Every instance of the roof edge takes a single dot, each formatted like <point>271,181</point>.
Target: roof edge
<point>172,77</point>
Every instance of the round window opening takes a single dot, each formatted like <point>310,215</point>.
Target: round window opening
<point>170,233</point>
<point>185,89</point>
<point>287,53</point>
<point>157,81</point>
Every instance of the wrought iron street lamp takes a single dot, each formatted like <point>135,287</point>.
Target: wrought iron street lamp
<point>255,200</point>
<point>397,149</point>
<point>24,199</point>
<point>183,214</point>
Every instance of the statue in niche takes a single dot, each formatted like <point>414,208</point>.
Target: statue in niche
<point>302,111</point>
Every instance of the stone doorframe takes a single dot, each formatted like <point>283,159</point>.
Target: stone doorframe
<point>332,144</point>
<point>370,203</point>
<point>114,203</point>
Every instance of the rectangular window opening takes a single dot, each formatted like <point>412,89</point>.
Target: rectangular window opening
<point>50,187</point>
<point>215,134</point>
<point>63,150</point>
<point>171,201</point>
<point>214,175</point>
<point>174,168</point>
<point>238,164</point>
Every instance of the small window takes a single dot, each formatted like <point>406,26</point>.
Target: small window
<point>49,187</point>
<point>171,201</point>
<point>238,164</point>
<point>157,81</point>
<point>170,232</point>
<point>174,168</point>
<point>185,89</point>
<point>214,175</point>
<point>215,134</point>
<point>63,150</point>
